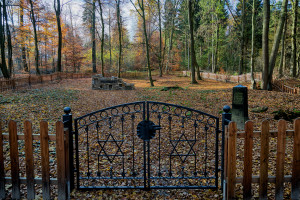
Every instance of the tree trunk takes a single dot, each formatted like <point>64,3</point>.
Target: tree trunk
<point>24,62</point>
<point>253,83</point>
<point>217,47</point>
<point>109,27</point>
<point>102,38</point>
<point>282,49</point>
<point>160,41</point>
<point>9,43</point>
<point>35,39</point>
<point>94,37</point>
<point>294,40</point>
<point>241,67</point>
<point>276,43</point>
<point>213,69</point>
<point>146,40</point>
<point>193,54</point>
<point>120,37</point>
<point>198,68</point>
<point>170,47</point>
<point>2,44</point>
<point>265,43</point>
<point>59,49</point>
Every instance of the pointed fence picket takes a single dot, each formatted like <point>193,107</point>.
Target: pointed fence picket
<point>61,137</point>
<point>263,179</point>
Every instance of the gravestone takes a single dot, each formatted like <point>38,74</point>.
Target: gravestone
<point>110,83</point>
<point>240,106</point>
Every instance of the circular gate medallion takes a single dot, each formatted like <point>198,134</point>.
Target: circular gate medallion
<point>146,130</point>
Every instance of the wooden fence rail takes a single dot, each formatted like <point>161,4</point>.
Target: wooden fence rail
<point>284,88</point>
<point>62,156</point>
<point>263,179</point>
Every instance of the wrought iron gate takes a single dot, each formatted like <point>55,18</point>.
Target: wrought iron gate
<point>147,145</point>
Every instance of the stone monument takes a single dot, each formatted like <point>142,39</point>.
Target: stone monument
<point>110,83</point>
<point>240,106</point>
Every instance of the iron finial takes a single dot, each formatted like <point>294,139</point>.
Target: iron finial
<point>226,109</point>
<point>67,110</point>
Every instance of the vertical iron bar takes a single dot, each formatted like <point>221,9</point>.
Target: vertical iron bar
<point>226,118</point>
<point>148,171</point>
<point>170,135</point>
<point>67,120</point>
<point>132,126</point>
<point>144,110</point>
<point>205,172</point>
<point>87,150</point>
<point>195,137</point>
<point>145,175</point>
<point>159,164</point>
<point>217,151</point>
<point>123,163</point>
<point>147,161</point>
<point>77,153</point>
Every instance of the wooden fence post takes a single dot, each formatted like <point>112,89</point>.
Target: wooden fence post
<point>45,159</point>
<point>281,140</point>
<point>296,161</point>
<point>29,160</point>
<point>2,173</point>
<point>14,158</point>
<point>67,161</point>
<point>231,161</point>
<point>264,160</point>
<point>225,161</point>
<point>60,153</point>
<point>247,177</point>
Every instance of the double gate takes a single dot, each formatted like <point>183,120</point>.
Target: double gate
<point>147,145</point>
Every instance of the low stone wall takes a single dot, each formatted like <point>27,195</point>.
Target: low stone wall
<point>110,83</point>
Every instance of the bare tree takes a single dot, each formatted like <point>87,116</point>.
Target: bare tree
<point>160,39</point>
<point>94,37</point>
<point>102,37</point>
<point>120,36</point>
<point>141,12</point>
<point>57,9</point>
<point>24,63</point>
<point>35,38</point>
<point>9,43</point>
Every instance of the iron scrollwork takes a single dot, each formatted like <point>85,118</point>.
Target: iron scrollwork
<point>179,147</point>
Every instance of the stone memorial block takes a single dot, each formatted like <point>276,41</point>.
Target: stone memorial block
<point>110,83</point>
<point>240,106</point>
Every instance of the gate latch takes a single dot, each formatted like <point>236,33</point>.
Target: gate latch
<point>146,130</point>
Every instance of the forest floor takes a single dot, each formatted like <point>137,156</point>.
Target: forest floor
<point>46,102</point>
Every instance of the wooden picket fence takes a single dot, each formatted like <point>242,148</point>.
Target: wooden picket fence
<point>263,179</point>
<point>62,157</point>
<point>278,85</point>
